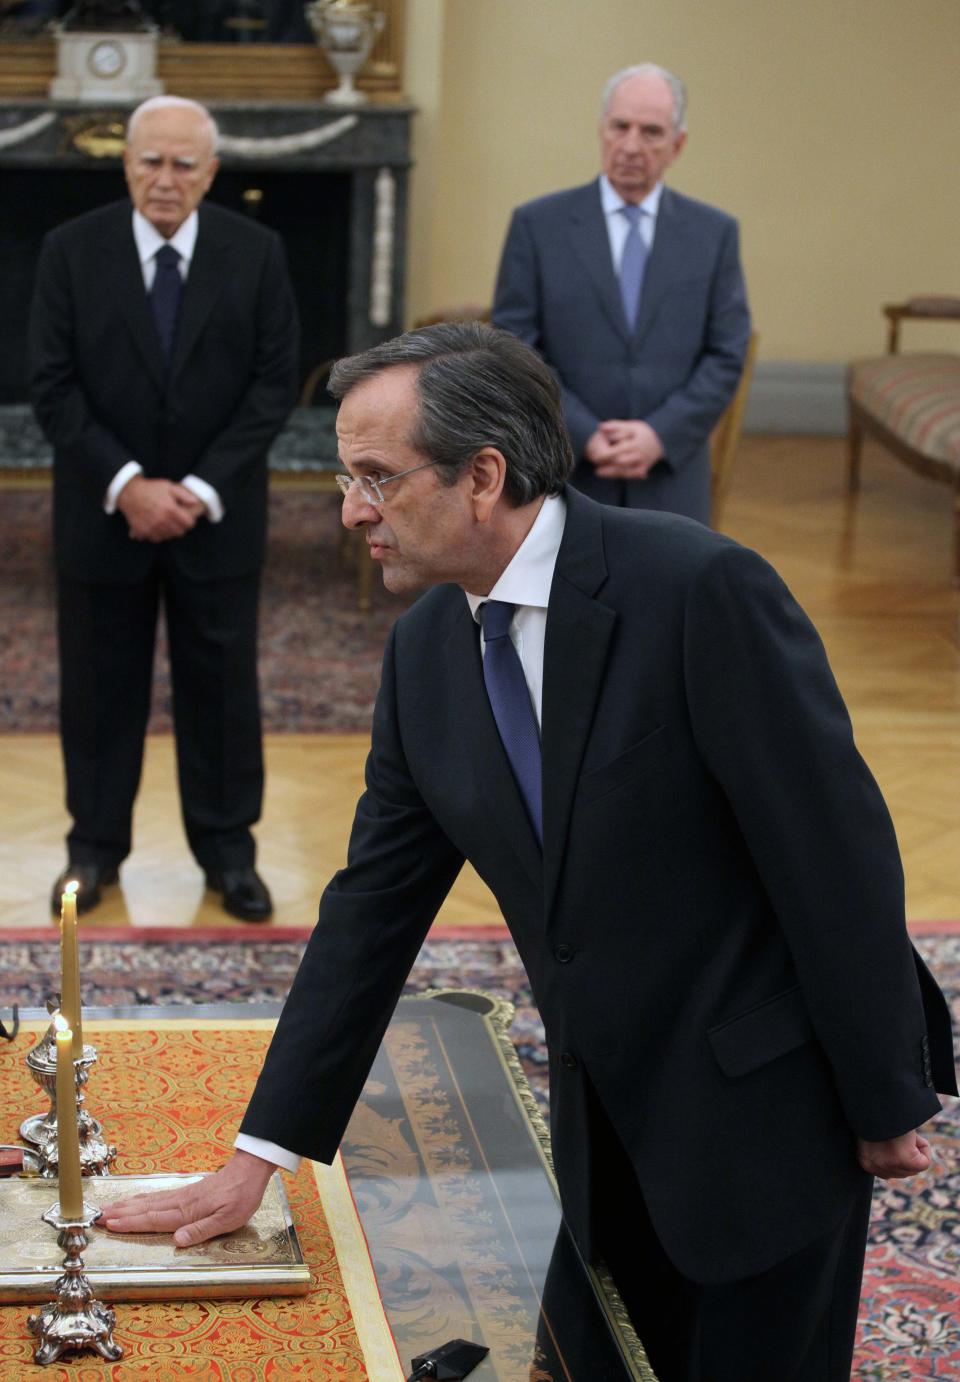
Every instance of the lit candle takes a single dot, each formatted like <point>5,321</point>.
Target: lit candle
<point>68,1139</point>
<point>70,968</point>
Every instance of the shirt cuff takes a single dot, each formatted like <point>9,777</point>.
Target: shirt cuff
<point>124,474</point>
<point>268,1151</point>
<point>207,495</point>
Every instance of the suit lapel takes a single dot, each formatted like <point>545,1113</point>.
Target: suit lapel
<point>488,760</point>
<point>123,272</point>
<point>670,257</point>
<point>210,270</point>
<point>579,630</point>
<point>590,241</point>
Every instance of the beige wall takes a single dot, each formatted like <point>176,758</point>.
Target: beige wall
<point>830,128</point>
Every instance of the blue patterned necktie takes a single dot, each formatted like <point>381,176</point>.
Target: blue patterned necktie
<point>165,296</point>
<point>632,264</point>
<point>511,706</point>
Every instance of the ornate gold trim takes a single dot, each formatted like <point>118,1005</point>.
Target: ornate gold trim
<point>498,1021</point>
<point>94,135</point>
<point>356,1271</point>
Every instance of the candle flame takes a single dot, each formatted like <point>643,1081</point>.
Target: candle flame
<point>72,887</point>
<point>60,1023</point>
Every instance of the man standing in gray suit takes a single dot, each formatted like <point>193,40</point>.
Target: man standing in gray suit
<point>634,295</point>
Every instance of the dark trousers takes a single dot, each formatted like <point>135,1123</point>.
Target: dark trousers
<point>107,635</point>
<point>793,1323</point>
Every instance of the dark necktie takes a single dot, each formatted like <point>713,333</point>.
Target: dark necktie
<point>165,295</point>
<point>632,264</point>
<point>511,705</point>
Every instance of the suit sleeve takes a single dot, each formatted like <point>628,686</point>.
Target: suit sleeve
<point>271,393</point>
<point>373,918</point>
<point>517,309</point>
<point>687,416</point>
<point>772,727</point>
<point>92,451</point>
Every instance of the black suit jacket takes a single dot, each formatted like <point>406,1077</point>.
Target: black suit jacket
<point>104,395</point>
<point>679,366</point>
<point>714,932</point>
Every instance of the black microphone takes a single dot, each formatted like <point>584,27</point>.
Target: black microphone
<point>450,1361</point>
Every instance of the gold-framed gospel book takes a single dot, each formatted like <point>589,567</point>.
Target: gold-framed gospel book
<point>261,1259</point>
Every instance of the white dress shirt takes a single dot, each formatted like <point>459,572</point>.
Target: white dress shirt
<point>525,582</point>
<point>617,225</point>
<point>148,241</point>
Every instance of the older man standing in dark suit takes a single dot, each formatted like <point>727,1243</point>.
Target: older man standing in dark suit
<point>634,296</point>
<point>163,346</point>
<point>699,872</point>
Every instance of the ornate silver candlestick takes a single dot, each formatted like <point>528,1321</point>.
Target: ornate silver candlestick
<point>41,1061</point>
<point>40,1130</point>
<point>74,1320</point>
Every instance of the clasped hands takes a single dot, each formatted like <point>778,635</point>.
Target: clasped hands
<point>157,510</point>
<point>624,449</point>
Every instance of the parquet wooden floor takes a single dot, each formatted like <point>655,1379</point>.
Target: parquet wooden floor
<point>875,578</point>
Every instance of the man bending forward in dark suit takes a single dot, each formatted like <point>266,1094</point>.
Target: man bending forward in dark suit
<point>163,345</point>
<point>699,872</point>
<point>634,295</point>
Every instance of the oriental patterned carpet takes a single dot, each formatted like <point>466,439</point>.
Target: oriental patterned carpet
<point>319,656</point>
<point>910,1313</point>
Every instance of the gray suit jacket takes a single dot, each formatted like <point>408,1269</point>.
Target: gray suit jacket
<point>677,370</point>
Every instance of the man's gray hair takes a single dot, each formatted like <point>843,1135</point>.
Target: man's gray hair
<point>651,69</point>
<point>174,103</point>
<point>477,386</point>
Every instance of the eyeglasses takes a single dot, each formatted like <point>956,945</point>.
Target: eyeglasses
<point>371,490</point>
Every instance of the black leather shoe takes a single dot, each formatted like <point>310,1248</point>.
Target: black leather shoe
<point>245,895</point>
<point>91,877</point>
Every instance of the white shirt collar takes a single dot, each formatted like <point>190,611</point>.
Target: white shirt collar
<point>148,239</point>
<point>528,576</point>
<point>611,200</point>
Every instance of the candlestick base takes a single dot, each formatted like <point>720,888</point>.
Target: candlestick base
<point>75,1321</point>
<point>96,1155</point>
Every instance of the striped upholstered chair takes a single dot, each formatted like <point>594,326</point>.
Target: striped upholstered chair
<point>911,405</point>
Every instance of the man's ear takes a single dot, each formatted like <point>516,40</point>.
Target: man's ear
<point>488,473</point>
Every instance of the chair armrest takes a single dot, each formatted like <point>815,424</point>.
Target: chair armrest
<point>934,305</point>
<point>931,306</point>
